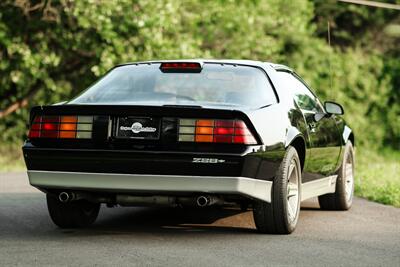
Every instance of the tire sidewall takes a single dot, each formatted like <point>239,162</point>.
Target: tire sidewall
<point>341,185</point>
<point>279,197</point>
<point>72,214</point>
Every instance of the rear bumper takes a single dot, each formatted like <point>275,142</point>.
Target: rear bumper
<point>171,163</point>
<point>253,188</point>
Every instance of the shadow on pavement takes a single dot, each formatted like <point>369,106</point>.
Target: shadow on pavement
<point>27,213</point>
<point>175,220</point>
<point>167,220</point>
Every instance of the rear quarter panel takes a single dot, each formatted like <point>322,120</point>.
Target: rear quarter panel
<point>277,126</point>
<point>345,133</point>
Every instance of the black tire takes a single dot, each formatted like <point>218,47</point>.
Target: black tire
<point>244,206</point>
<point>340,200</point>
<point>273,218</point>
<point>74,214</point>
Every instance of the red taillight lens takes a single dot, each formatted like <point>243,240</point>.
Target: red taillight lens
<point>243,139</point>
<point>61,127</point>
<point>223,131</point>
<point>215,131</point>
<point>181,67</point>
<point>49,127</point>
<point>34,134</point>
<point>222,139</point>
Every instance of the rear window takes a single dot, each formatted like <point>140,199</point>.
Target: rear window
<point>216,84</point>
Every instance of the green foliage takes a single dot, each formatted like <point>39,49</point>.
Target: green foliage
<point>378,176</point>
<point>11,158</point>
<point>51,50</point>
<point>360,85</point>
<point>373,33</point>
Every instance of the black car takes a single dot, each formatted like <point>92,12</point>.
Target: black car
<point>192,133</point>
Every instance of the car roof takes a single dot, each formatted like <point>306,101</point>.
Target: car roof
<point>256,63</point>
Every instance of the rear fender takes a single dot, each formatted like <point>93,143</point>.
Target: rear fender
<point>292,133</point>
<point>347,135</point>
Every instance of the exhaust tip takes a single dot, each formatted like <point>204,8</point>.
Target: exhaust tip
<point>202,201</point>
<point>64,197</point>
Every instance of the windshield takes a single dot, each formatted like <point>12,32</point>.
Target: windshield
<point>216,84</point>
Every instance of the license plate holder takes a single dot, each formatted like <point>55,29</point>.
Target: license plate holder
<point>145,128</point>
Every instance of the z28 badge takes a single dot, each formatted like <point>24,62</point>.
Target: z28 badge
<point>207,160</point>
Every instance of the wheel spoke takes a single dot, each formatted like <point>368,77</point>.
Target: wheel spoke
<point>291,168</point>
<point>349,169</point>
<point>292,190</point>
<point>292,197</point>
<point>291,212</point>
<point>349,178</point>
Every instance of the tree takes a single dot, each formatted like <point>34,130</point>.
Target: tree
<point>51,50</point>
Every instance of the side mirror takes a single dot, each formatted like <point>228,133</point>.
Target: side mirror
<point>333,108</point>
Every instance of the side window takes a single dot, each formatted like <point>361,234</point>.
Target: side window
<point>302,95</point>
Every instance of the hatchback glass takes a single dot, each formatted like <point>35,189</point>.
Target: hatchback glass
<point>216,84</point>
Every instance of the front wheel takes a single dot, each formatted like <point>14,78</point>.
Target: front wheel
<point>73,214</point>
<point>343,196</point>
<point>281,215</point>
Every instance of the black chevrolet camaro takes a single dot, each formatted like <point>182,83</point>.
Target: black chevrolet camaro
<point>192,133</point>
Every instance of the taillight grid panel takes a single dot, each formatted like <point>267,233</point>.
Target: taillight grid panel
<point>63,127</point>
<point>214,131</point>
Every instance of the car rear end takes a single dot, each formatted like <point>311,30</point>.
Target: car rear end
<point>143,150</point>
<point>164,133</point>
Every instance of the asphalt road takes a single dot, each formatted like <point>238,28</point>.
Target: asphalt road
<point>367,235</point>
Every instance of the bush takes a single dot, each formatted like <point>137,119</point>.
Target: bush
<point>52,50</point>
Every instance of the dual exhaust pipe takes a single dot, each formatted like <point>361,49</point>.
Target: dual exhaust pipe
<point>200,201</point>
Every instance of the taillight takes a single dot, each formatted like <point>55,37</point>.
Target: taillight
<point>64,127</point>
<point>215,131</point>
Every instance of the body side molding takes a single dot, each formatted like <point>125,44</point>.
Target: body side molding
<point>318,187</point>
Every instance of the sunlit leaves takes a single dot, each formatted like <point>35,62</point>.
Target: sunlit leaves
<point>64,55</point>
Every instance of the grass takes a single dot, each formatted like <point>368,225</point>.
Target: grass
<point>378,176</point>
<point>377,172</point>
<point>11,158</point>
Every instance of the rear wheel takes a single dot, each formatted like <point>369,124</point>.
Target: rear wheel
<point>73,214</point>
<point>281,215</point>
<point>343,196</point>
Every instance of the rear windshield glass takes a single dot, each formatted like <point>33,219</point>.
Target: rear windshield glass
<point>216,84</point>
